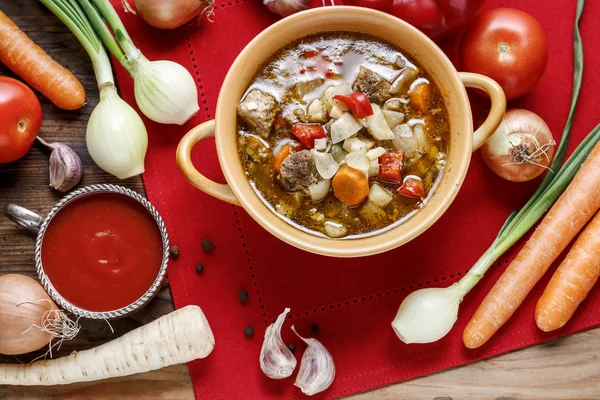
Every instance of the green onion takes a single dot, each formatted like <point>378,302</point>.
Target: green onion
<point>116,136</point>
<point>164,90</point>
<point>427,315</point>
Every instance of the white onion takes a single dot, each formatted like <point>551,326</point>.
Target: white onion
<point>521,148</point>
<point>318,191</point>
<point>164,90</point>
<point>325,163</point>
<point>116,136</point>
<point>358,160</point>
<point>169,14</point>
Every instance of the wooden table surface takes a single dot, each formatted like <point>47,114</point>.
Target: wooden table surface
<point>566,368</point>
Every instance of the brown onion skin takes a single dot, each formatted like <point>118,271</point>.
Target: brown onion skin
<point>14,320</point>
<point>155,12</point>
<point>526,171</point>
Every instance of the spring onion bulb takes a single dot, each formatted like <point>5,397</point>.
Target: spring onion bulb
<point>420,318</point>
<point>116,136</point>
<point>164,90</point>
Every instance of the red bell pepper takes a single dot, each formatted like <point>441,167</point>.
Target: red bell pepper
<point>390,166</point>
<point>412,188</point>
<point>307,133</point>
<point>358,103</point>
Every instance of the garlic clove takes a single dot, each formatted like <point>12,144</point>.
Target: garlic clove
<point>66,168</point>
<point>317,369</point>
<point>276,359</point>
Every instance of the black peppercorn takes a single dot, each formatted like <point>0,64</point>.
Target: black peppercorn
<point>207,245</point>
<point>243,295</point>
<point>200,268</point>
<point>314,328</point>
<point>249,331</point>
<point>174,252</point>
<point>292,347</point>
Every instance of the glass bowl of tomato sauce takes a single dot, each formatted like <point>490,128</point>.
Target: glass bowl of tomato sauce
<point>101,252</point>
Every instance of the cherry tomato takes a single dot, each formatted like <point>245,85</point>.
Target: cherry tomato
<point>437,18</point>
<point>507,45</point>
<point>20,119</point>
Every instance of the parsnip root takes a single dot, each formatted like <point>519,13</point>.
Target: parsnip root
<point>176,338</point>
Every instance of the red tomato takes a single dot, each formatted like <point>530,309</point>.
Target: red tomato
<point>507,45</point>
<point>381,5</point>
<point>437,18</point>
<point>20,119</point>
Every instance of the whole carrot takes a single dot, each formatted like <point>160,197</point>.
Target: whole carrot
<point>574,208</point>
<point>572,281</point>
<point>37,68</point>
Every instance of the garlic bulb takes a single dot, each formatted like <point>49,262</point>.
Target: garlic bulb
<point>116,136</point>
<point>164,90</point>
<point>286,7</point>
<point>66,168</point>
<point>427,315</point>
<point>317,369</point>
<point>276,360</point>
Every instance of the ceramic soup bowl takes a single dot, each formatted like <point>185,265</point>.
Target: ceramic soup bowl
<point>463,141</point>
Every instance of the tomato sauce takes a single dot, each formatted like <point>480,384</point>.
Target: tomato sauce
<point>102,251</point>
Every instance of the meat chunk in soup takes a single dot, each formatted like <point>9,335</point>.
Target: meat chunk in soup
<point>300,89</point>
<point>298,171</point>
<point>373,85</point>
<point>258,110</point>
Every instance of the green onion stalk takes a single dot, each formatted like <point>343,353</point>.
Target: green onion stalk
<point>116,136</point>
<point>164,90</point>
<point>427,315</point>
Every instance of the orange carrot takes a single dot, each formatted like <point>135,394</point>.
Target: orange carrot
<point>37,68</point>
<point>572,281</point>
<point>350,185</point>
<point>420,97</point>
<point>281,156</point>
<point>573,209</point>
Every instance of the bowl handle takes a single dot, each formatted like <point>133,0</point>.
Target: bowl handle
<point>496,94</point>
<point>186,167</point>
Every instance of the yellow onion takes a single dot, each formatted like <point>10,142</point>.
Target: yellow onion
<point>521,148</point>
<point>23,303</point>
<point>169,14</point>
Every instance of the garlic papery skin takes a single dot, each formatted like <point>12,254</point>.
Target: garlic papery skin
<point>276,360</point>
<point>317,370</point>
<point>164,90</point>
<point>116,136</point>
<point>66,169</point>
<point>427,315</point>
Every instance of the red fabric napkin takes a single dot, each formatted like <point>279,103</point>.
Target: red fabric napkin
<point>352,301</point>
